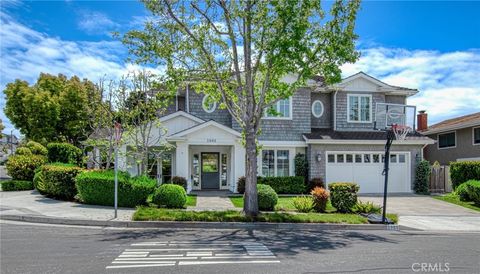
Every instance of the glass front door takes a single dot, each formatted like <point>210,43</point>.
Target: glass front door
<point>210,170</point>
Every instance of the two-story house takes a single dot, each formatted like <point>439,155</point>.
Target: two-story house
<point>332,125</point>
<point>457,139</point>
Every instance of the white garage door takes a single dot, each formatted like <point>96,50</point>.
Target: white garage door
<point>365,169</point>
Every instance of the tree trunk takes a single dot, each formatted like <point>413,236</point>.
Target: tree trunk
<point>250,205</point>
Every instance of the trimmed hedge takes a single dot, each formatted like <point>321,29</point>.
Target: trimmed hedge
<point>284,185</point>
<point>36,148</point>
<point>422,178</point>
<point>23,151</point>
<point>460,172</point>
<point>467,193</point>
<point>97,188</point>
<point>267,197</point>
<point>343,196</point>
<point>473,190</point>
<point>180,181</point>
<point>170,196</point>
<point>22,167</point>
<point>38,182</point>
<point>64,153</point>
<point>16,185</point>
<point>314,183</point>
<point>241,184</point>
<point>58,180</point>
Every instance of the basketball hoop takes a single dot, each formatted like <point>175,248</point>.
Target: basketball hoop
<point>400,131</point>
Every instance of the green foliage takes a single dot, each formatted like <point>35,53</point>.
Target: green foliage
<point>36,148</point>
<point>320,198</point>
<point>55,108</point>
<point>460,172</point>
<point>170,196</point>
<point>38,181</point>
<point>23,151</point>
<point>343,196</point>
<point>284,185</point>
<point>422,177</point>
<point>181,181</point>
<point>64,153</point>
<point>473,190</point>
<point>58,180</point>
<point>366,207</point>
<point>301,165</point>
<point>241,185</point>
<point>316,182</point>
<point>267,197</point>
<point>464,192</point>
<point>303,204</point>
<point>22,167</point>
<point>97,188</point>
<point>16,185</point>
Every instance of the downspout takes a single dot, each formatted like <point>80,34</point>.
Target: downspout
<point>187,100</point>
<point>335,110</point>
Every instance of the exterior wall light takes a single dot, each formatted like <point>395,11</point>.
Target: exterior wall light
<point>319,157</point>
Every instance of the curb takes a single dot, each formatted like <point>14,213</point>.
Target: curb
<point>206,225</point>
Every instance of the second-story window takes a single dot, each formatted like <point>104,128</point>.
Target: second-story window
<point>447,140</point>
<point>359,108</point>
<point>208,105</point>
<point>281,110</point>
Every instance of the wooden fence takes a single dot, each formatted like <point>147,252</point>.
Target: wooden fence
<point>440,179</point>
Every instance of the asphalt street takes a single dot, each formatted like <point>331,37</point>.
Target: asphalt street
<point>31,248</point>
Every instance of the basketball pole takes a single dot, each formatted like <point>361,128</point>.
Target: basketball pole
<point>390,139</point>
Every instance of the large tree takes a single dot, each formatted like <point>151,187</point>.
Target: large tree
<point>239,53</point>
<point>55,108</point>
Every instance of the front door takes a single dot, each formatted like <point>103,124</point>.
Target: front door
<point>210,170</point>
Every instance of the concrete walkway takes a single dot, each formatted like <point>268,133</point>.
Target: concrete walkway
<point>426,213</point>
<point>213,200</point>
<point>33,203</point>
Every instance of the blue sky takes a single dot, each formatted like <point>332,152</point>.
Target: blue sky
<point>431,46</point>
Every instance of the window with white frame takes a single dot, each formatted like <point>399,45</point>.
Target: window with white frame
<point>281,110</point>
<point>275,163</point>
<point>208,105</point>
<point>476,136</point>
<point>359,108</point>
<point>447,140</point>
<point>317,109</point>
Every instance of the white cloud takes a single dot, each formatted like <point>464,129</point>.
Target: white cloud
<point>94,22</point>
<point>25,53</point>
<point>448,82</point>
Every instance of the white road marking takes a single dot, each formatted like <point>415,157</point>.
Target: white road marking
<point>190,254</point>
<point>137,265</point>
<point>226,262</point>
<point>185,249</point>
<point>156,258</point>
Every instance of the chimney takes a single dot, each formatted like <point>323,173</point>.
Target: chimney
<point>422,120</point>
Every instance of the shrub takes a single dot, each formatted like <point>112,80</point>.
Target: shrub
<point>97,188</point>
<point>460,172</point>
<point>473,190</point>
<point>320,198</point>
<point>16,185</point>
<point>462,193</point>
<point>23,151</point>
<point>343,196</point>
<point>64,153</point>
<point>241,184</point>
<point>422,177</point>
<point>303,204</point>
<point>181,181</point>
<point>284,185</point>
<point>38,182</point>
<point>170,196</point>
<point>58,180</point>
<point>367,208</point>
<point>267,197</point>
<point>301,165</point>
<point>22,167</point>
<point>37,148</point>
<point>315,182</point>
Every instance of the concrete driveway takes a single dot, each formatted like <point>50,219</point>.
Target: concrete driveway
<point>425,213</point>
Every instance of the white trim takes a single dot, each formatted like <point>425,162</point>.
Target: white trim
<point>291,160</point>
<point>383,87</point>
<point>208,110</point>
<point>313,107</point>
<point>359,108</point>
<point>187,99</point>
<point>203,125</point>
<point>367,142</point>
<point>290,112</point>
<point>283,143</point>
<point>444,133</point>
<point>181,113</point>
<point>335,110</point>
<point>473,136</point>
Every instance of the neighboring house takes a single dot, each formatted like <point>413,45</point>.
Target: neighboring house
<point>332,125</point>
<point>457,139</point>
<point>8,146</point>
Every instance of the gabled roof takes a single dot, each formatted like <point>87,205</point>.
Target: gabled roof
<point>193,129</point>
<point>455,123</point>
<point>181,113</point>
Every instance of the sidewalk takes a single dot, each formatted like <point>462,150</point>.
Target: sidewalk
<point>32,203</point>
<point>212,200</point>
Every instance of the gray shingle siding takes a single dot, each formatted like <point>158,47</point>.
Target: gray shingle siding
<point>221,116</point>
<point>395,99</point>
<point>325,120</point>
<point>341,106</point>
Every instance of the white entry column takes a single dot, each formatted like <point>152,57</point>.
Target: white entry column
<point>239,164</point>
<point>182,163</point>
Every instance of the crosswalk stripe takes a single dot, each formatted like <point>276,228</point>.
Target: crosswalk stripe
<point>240,257</point>
<point>143,262</point>
<point>156,258</point>
<point>138,265</point>
<point>184,249</point>
<point>226,262</point>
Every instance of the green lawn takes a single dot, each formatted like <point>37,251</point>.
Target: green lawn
<point>284,203</point>
<point>162,214</point>
<point>454,199</point>
<point>191,200</point>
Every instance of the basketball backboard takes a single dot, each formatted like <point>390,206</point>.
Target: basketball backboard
<point>388,114</point>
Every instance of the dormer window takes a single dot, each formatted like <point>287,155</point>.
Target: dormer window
<point>359,108</point>
<point>281,110</point>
